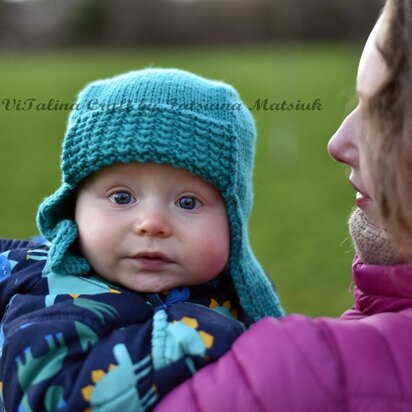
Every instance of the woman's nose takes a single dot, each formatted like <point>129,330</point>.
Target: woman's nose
<point>152,223</point>
<point>342,146</point>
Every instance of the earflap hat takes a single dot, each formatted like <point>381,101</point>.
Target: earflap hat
<point>167,116</point>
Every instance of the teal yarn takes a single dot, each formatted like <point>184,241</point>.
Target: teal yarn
<point>165,116</point>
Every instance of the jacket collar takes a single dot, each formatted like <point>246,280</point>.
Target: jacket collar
<point>382,288</point>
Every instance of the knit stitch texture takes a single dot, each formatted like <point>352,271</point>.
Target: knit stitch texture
<point>371,243</point>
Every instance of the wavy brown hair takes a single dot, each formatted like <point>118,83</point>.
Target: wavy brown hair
<point>387,127</point>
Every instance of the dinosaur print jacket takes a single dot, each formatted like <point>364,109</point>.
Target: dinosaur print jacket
<point>72,343</point>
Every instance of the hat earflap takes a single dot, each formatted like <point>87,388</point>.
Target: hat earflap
<point>63,260</point>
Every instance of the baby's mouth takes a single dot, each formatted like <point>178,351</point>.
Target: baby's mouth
<point>153,257</point>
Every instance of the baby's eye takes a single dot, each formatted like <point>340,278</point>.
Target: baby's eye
<point>122,198</point>
<point>188,203</point>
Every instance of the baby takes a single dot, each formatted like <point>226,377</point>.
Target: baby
<point>147,274</point>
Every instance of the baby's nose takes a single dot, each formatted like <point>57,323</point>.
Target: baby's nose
<point>152,223</point>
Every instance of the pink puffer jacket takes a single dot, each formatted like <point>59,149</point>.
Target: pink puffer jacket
<point>360,362</point>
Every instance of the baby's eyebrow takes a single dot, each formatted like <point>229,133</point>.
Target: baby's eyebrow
<point>102,185</point>
<point>115,178</point>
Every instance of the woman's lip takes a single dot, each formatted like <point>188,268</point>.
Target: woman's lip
<point>362,200</point>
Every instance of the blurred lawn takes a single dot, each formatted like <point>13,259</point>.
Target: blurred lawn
<point>302,198</point>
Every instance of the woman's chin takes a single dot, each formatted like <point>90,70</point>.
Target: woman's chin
<point>371,213</point>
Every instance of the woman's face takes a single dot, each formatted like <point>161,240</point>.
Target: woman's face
<point>344,146</point>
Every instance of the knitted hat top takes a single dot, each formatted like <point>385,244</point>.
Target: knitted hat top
<point>165,116</point>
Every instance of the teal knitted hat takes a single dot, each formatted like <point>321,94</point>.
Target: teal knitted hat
<point>165,116</point>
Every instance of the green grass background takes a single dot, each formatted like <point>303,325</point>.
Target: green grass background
<point>302,198</point>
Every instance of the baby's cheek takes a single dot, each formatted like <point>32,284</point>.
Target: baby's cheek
<point>214,254</point>
<point>93,243</point>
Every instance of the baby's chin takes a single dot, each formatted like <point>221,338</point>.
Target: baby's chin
<point>150,282</point>
<point>139,281</point>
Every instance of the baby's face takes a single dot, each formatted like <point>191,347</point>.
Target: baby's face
<point>152,227</point>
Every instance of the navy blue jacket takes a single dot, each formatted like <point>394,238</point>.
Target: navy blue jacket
<point>76,343</point>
